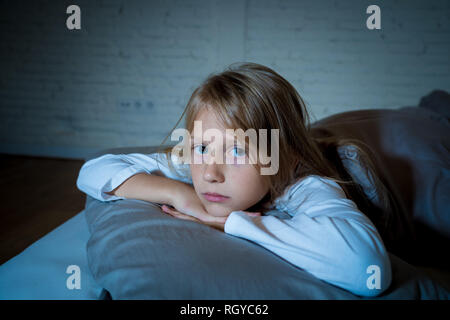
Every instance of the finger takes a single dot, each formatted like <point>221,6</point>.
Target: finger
<point>252,214</point>
<point>176,214</point>
<point>185,217</point>
<point>197,214</point>
<point>167,209</point>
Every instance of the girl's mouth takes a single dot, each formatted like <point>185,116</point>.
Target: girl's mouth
<point>214,197</point>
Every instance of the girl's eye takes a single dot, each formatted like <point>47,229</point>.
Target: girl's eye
<point>239,152</point>
<point>199,149</point>
<point>202,150</point>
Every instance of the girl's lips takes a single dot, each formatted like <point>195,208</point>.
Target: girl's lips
<point>214,197</point>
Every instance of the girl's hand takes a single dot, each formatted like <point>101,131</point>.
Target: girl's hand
<point>209,220</point>
<point>184,200</point>
<point>212,221</point>
<point>188,206</point>
<point>252,214</point>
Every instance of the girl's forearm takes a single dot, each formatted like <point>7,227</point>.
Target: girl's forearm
<point>147,187</point>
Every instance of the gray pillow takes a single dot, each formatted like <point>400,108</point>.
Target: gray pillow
<point>411,152</point>
<point>138,252</point>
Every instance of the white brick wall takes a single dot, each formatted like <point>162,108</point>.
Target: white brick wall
<point>338,64</point>
<point>125,77</point>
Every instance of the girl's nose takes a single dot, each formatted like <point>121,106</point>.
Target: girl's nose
<point>213,173</point>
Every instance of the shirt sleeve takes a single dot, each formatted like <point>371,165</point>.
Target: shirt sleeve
<point>105,173</point>
<point>326,236</point>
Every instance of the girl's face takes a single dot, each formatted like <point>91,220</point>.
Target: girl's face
<point>242,184</point>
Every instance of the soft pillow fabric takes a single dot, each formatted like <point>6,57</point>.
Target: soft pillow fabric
<point>437,101</point>
<point>411,147</point>
<point>138,252</point>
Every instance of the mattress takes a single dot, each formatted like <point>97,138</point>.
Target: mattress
<point>54,267</point>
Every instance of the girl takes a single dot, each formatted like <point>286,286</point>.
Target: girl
<point>303,213</point>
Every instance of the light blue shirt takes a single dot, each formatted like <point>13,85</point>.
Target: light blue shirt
<point>312,225</point>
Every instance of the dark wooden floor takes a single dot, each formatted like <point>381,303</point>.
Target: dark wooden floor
<point>37,195</point>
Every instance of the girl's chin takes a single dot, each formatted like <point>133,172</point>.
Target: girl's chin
<point>217,211</point>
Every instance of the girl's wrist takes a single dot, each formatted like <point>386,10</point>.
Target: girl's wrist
<point>177,192</point>
<point>167,191</point>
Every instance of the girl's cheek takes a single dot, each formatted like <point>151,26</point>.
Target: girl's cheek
<point>197,159</point>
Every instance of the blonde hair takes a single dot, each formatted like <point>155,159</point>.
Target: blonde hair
<point>249,95</point>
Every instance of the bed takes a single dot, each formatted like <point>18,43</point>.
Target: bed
<point>129,249</point>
